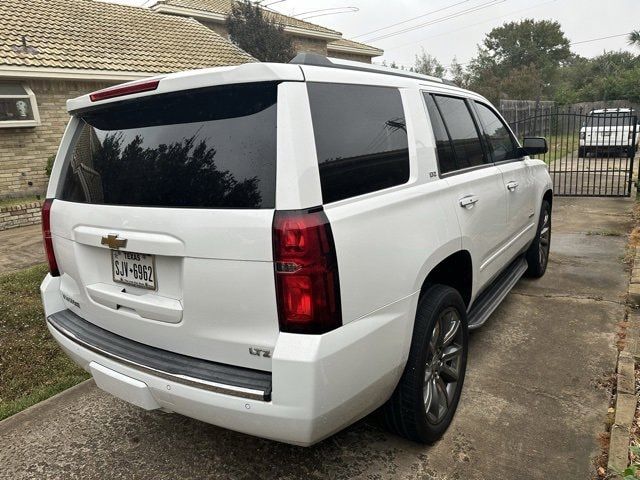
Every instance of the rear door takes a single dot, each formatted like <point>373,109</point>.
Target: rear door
<point>476,184</point>
<point>517,177</point>
<point>162,221</point>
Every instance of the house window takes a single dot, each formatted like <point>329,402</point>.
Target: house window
<point>18,107</point>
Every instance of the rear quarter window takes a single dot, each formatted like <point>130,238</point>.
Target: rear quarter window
<point>206,148</point>
<point>361,138</point>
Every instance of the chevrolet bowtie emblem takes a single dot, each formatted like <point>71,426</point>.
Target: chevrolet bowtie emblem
<point>113,242</point>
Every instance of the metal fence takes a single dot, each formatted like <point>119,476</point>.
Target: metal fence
<point>589,154</point>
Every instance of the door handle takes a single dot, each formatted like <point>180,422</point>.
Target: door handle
<point>511,186</point>
<point>468,201</point>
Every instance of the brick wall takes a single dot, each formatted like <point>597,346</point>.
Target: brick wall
<point>24,151</point>
<point>350,56</point>
<point>20,215</point>
<point>219,28</point>
<point>313,45</point>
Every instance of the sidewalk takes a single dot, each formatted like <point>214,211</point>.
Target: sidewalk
<point>20,248</point>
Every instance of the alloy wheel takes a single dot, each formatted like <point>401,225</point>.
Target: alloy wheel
<point>443,368</point>
<point>545,239</point>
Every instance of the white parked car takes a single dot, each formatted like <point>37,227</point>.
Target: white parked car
<point>281,249</point>
<point>609,131</point>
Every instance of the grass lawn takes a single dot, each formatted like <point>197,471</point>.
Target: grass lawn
<point>559,147</point>
<point>32,366</point>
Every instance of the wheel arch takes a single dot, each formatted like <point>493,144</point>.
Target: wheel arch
<point>455,271</point>
<point>548,196</point>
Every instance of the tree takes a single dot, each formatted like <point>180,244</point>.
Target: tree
<point>251,28</point>
<point>610,76</point>
<point>458,74</point>
<point>509,51</point>
<point>634,38</point>
<point>427,64</point>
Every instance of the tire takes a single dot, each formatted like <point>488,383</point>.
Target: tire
<point>582,152</point>
<point>406,412</point>
<point>538,252</point>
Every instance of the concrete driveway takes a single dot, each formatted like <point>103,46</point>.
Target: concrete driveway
<point>533,405</point>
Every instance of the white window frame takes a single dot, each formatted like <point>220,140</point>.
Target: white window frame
<point>34,109</point>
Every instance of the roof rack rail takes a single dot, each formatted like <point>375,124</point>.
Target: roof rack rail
<point>317,60</point>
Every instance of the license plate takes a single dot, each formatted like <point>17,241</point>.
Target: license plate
<point>131,268</point>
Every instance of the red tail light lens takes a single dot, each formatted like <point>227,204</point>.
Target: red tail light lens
<point>46,235</point>
<point>122,90</point>
<point>306,270</point>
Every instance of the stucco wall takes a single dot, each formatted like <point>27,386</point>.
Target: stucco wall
<point>24,151</point>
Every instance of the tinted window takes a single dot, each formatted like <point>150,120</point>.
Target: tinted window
<point>462,130</point>
<point>446,156</point>
<point>610,120</point>
<point>497,134</point>
<point>361,139</point>
<point>210,148</point>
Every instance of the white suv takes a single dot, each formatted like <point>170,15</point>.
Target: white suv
<point>281,249</point>
<point>609,130</point>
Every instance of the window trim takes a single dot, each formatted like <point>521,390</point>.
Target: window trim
<point>505,124</point>
<point>478,132</point>
<point>35,122</point>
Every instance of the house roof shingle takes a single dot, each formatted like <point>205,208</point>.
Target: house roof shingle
<point>87,34</point>
<point>223,7</point>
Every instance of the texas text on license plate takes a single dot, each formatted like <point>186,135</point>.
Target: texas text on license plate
<point>137,269</point>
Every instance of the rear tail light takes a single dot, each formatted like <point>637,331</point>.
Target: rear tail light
<point>122,90</point>
<point>46,235</point>
<point>582,135</point>
<point>306,271</point>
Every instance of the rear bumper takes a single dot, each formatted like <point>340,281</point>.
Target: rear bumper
<point>320,383</point>
<point>613,143</point>
<point>216,377</point>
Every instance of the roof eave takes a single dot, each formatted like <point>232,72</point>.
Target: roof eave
<point>370,52</point>
<point>222,18</point>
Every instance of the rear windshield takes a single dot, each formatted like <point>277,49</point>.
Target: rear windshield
<point>610,120</point>
<point>208,148</point>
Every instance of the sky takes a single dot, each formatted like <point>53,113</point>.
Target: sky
<point>454,28</point>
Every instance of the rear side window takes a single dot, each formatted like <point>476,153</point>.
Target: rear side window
<point>462,131</point>
<point>361,138</point>
<point>498,136</point>
<point>207,148</point>
<point>446,155</point>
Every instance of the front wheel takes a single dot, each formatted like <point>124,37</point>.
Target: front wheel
<point>538,253</point>
<point>425,400</point>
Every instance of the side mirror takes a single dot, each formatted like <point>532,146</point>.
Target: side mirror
<point>534,146</point>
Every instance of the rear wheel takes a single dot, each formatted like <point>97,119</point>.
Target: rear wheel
<point>426,398</point>
<point>538,253</point>
<point>582,152</point>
